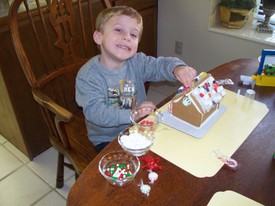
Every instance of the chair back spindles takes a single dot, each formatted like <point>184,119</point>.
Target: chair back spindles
<point>52,40</point>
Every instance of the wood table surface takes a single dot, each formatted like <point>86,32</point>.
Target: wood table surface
<point>255,178</point>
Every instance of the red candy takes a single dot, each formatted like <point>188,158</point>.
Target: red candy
<point>151,163</point>
<point>146,122</point>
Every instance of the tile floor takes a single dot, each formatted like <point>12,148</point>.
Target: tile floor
<point>32,183</point>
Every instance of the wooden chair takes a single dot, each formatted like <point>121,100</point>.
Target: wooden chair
<point>52,40</point>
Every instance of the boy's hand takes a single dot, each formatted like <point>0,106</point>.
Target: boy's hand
<point>147,104</point>
<point>144,109</point>
<point>185,75</point>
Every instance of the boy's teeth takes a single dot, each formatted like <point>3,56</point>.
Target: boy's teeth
<point>123,47</point>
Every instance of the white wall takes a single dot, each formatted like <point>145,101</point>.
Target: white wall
<point>187,21</point>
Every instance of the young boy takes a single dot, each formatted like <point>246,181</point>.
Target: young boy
<point>109,85</point>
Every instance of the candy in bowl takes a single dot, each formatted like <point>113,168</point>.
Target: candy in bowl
<point>134,142</point>
<point>139,138</point>
<point>145,120</point>
<point>119,167</point>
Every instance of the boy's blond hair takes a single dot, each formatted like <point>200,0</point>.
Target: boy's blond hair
<point>106,14</point>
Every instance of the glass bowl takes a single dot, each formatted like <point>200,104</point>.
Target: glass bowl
<point>145,120</point>
<point>134,142</point>
<point>139,138</point>
<point>119,167</point>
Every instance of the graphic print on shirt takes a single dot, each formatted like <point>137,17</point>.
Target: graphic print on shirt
<point>113,96</point>
<point>125,96</point>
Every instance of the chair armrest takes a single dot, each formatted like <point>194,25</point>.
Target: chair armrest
<point>48,103</point>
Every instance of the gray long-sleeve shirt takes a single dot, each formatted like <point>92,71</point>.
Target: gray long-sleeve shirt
<point>101,92</point>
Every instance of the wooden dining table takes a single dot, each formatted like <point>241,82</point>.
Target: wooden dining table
<point>255,179</point>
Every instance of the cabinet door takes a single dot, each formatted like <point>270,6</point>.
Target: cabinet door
<point>148,43</point>
<point>8,123</point>
<point>23,125</point>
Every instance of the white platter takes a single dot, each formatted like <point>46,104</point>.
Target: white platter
<point>197,132</point>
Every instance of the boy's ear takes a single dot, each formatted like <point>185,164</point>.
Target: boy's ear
<point>97,36</point>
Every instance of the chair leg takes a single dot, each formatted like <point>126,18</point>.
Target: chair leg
<point>60,171</point>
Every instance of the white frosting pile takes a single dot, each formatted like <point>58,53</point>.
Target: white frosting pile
<point>135,141</point>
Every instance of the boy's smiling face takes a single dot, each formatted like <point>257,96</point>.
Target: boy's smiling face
<point>118,40</point>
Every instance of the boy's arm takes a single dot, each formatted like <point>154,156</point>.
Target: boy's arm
<point>162,68</point>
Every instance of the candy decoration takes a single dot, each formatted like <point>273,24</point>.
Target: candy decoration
<point>144,189</point>
<point>231,163</point>
<point>119,172</point>
<point>146,122</point>
<point>182,89</point>
<point>151,163</point>
<point>152,176</point>
<point>135,140</point>
<point>170,107</point>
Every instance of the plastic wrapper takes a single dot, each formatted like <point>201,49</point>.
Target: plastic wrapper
<point>225,82</point>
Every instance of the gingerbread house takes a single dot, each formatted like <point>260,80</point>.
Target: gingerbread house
<point>194,105</point>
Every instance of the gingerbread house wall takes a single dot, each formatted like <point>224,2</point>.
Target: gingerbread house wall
<point>192,114</point>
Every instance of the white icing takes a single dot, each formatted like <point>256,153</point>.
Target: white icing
<point>135,141</point>
<point>210,96</point>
